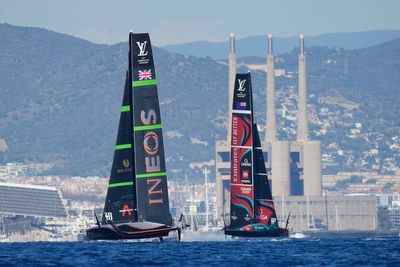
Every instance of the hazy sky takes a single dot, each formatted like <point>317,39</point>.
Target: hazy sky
<point>178,21</point>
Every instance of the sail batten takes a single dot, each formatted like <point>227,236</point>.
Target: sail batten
<point>147,127</point>
<point>144,83</point>
<point>146,175</point>
<point>120,184</point>
<point>123,146</point>
<point>125,108</point>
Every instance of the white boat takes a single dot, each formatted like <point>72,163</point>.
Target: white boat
<point>297,235</point>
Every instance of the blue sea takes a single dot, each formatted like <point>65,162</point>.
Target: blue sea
<point>329,250</point>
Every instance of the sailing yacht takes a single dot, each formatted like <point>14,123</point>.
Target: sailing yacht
<point>137,204</point>
<point>252,211</point>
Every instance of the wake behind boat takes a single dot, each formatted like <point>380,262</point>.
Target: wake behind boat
<point>252,212</point>
<point>137,204</point>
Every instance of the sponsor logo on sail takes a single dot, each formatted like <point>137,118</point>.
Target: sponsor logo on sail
<point>126,210</point>
<point>245,163</point>
<point>235,129</point>
<point>235,166</point>
<point>142,56</point>
<point>155,191</point>
<point>241,90</point>
<point>144,75</point>
<point>125,162</point>
<point>108,216</point>
<point>150,143</point>
<point>245,174</point>
<point>152,159</point>
<point>241,105</point>
<point>142,48</point>
<point>245,190</point>
<point>241,85</point>
<point>126,168</point>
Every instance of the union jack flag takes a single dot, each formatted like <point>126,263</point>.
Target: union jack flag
<point>144,75</point>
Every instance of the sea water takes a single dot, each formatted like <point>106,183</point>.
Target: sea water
<point>328,250</point>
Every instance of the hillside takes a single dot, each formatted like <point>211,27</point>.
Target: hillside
<point>61,96</point>
<point>60,99</point>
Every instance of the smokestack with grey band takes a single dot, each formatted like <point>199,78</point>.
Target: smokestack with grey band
<point>301,41</point>
<point>270,44</point>
<point>271,117</point>
<point>232,74</point>
<point>302,130</point>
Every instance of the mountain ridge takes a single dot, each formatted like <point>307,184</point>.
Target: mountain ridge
<point>61,99</point>
<point>257,45</point>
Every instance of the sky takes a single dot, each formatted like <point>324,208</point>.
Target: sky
<point>182,21</point>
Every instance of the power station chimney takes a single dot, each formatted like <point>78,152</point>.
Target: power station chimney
<point>271,117</point>
<point>302,131</point>
<point>232,74</point>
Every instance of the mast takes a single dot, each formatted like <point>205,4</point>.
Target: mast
<point>337,218</point>
<point>205,171</point>
<point>283,207</point>
<point>308,214</point>
<point>301,216</point>
<point>326,210</point>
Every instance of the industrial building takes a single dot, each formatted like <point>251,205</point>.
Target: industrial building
<point>336,213</point>
<point>295,165</point>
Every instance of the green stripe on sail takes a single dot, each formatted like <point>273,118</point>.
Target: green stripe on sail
<point>147,175</point>
<point>120,184</point>
<point>144,83</point>
<point>125,108</point>
<point>147,127</point>
<point>123,146</point>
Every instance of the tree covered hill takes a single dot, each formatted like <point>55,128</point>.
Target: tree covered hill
<point>60,99</point>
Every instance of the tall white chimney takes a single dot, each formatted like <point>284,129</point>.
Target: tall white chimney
<point>232,74</point>
<point>271,117</point>
<point>302,131</point>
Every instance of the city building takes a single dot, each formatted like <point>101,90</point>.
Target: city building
<point>26,208</point>
<point>333,212</point>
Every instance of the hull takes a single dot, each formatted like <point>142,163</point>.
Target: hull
<point>257,230</point>
<point>127,231</point>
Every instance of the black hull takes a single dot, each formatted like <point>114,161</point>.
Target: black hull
<point>106,233</point>
<point>279,232</point>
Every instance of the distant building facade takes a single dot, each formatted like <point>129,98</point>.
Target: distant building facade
<point>334,213</point>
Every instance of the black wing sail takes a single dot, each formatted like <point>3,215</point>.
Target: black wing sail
<point>120,202</point>
<point>242,186</point>
<point>264,207</point>
<point>151,176</point>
